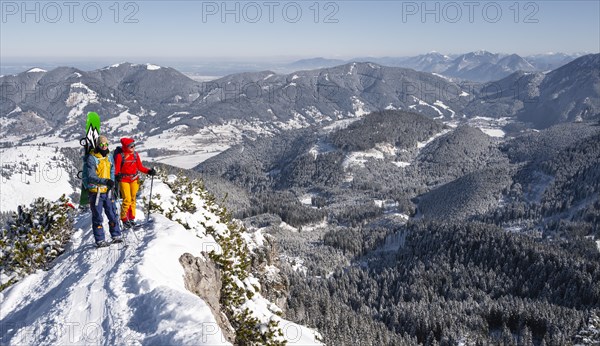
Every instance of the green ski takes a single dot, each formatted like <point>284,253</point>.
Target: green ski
<point>92,132</point>
<point>92,129</point>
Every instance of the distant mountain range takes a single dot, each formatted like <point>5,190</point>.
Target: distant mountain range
<point>479,66</point>
<point>544,99</point>
<point>157,104</point>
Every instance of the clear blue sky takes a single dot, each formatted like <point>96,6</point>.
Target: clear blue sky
<point>335,29</point>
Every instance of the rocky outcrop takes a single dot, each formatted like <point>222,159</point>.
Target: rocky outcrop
<point>203,278</point>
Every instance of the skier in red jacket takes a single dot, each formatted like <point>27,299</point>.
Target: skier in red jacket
<point>127,167</point>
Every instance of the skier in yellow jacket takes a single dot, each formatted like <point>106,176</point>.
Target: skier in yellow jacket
<point>99,173</point>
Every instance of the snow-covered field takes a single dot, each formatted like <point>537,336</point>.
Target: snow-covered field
<point>189,161</point>
<point>29,172</point>
<point>190,149</point>
<point>490,126</point>
<point>125,122</point>
<point>183,148</point>
<point>133,295</point>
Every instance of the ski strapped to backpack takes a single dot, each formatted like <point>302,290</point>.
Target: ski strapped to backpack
<point>89,144</point>
<point>92,132</point>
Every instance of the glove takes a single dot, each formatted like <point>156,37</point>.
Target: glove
<point>110,184</point>
<point>118,177</point>
<point>152,172</point>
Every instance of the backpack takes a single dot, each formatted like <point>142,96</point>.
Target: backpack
<point>84,171</point>
<point>119,151</point>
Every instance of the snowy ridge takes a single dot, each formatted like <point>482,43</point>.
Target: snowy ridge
<point>109,296</point>
<point>130,295</point>
<point>321,147</point>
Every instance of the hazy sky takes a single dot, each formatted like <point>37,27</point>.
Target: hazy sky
<point>128,30</point>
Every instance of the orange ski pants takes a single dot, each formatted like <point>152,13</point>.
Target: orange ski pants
<point>128,192</point>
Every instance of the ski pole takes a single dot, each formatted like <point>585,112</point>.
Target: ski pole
<point>117,206</point>
<point>133,232</point>
<point>149,200</point>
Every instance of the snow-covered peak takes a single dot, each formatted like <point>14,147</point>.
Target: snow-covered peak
<point>481,52</point>
<point>436,54</point>
<point>120,64</point>
<point>152,67</point>
<point>36,70</point>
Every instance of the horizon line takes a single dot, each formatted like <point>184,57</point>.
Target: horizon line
<point>96,58</point>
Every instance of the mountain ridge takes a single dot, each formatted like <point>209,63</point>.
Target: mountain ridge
<point>158,104</point>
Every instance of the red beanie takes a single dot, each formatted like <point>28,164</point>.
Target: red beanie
<point>125,141</point>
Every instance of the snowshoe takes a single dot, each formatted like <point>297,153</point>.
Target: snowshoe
<point>102,243</point>
<point>132,224</point>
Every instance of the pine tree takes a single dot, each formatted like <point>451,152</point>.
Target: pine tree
<point>33,237</point>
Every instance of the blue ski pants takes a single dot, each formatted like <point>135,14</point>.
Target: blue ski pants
<point>97,203</point>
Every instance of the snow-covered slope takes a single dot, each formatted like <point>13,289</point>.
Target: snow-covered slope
<point>28,172</point>
<point>134,294</point>
<point>113,295</point>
